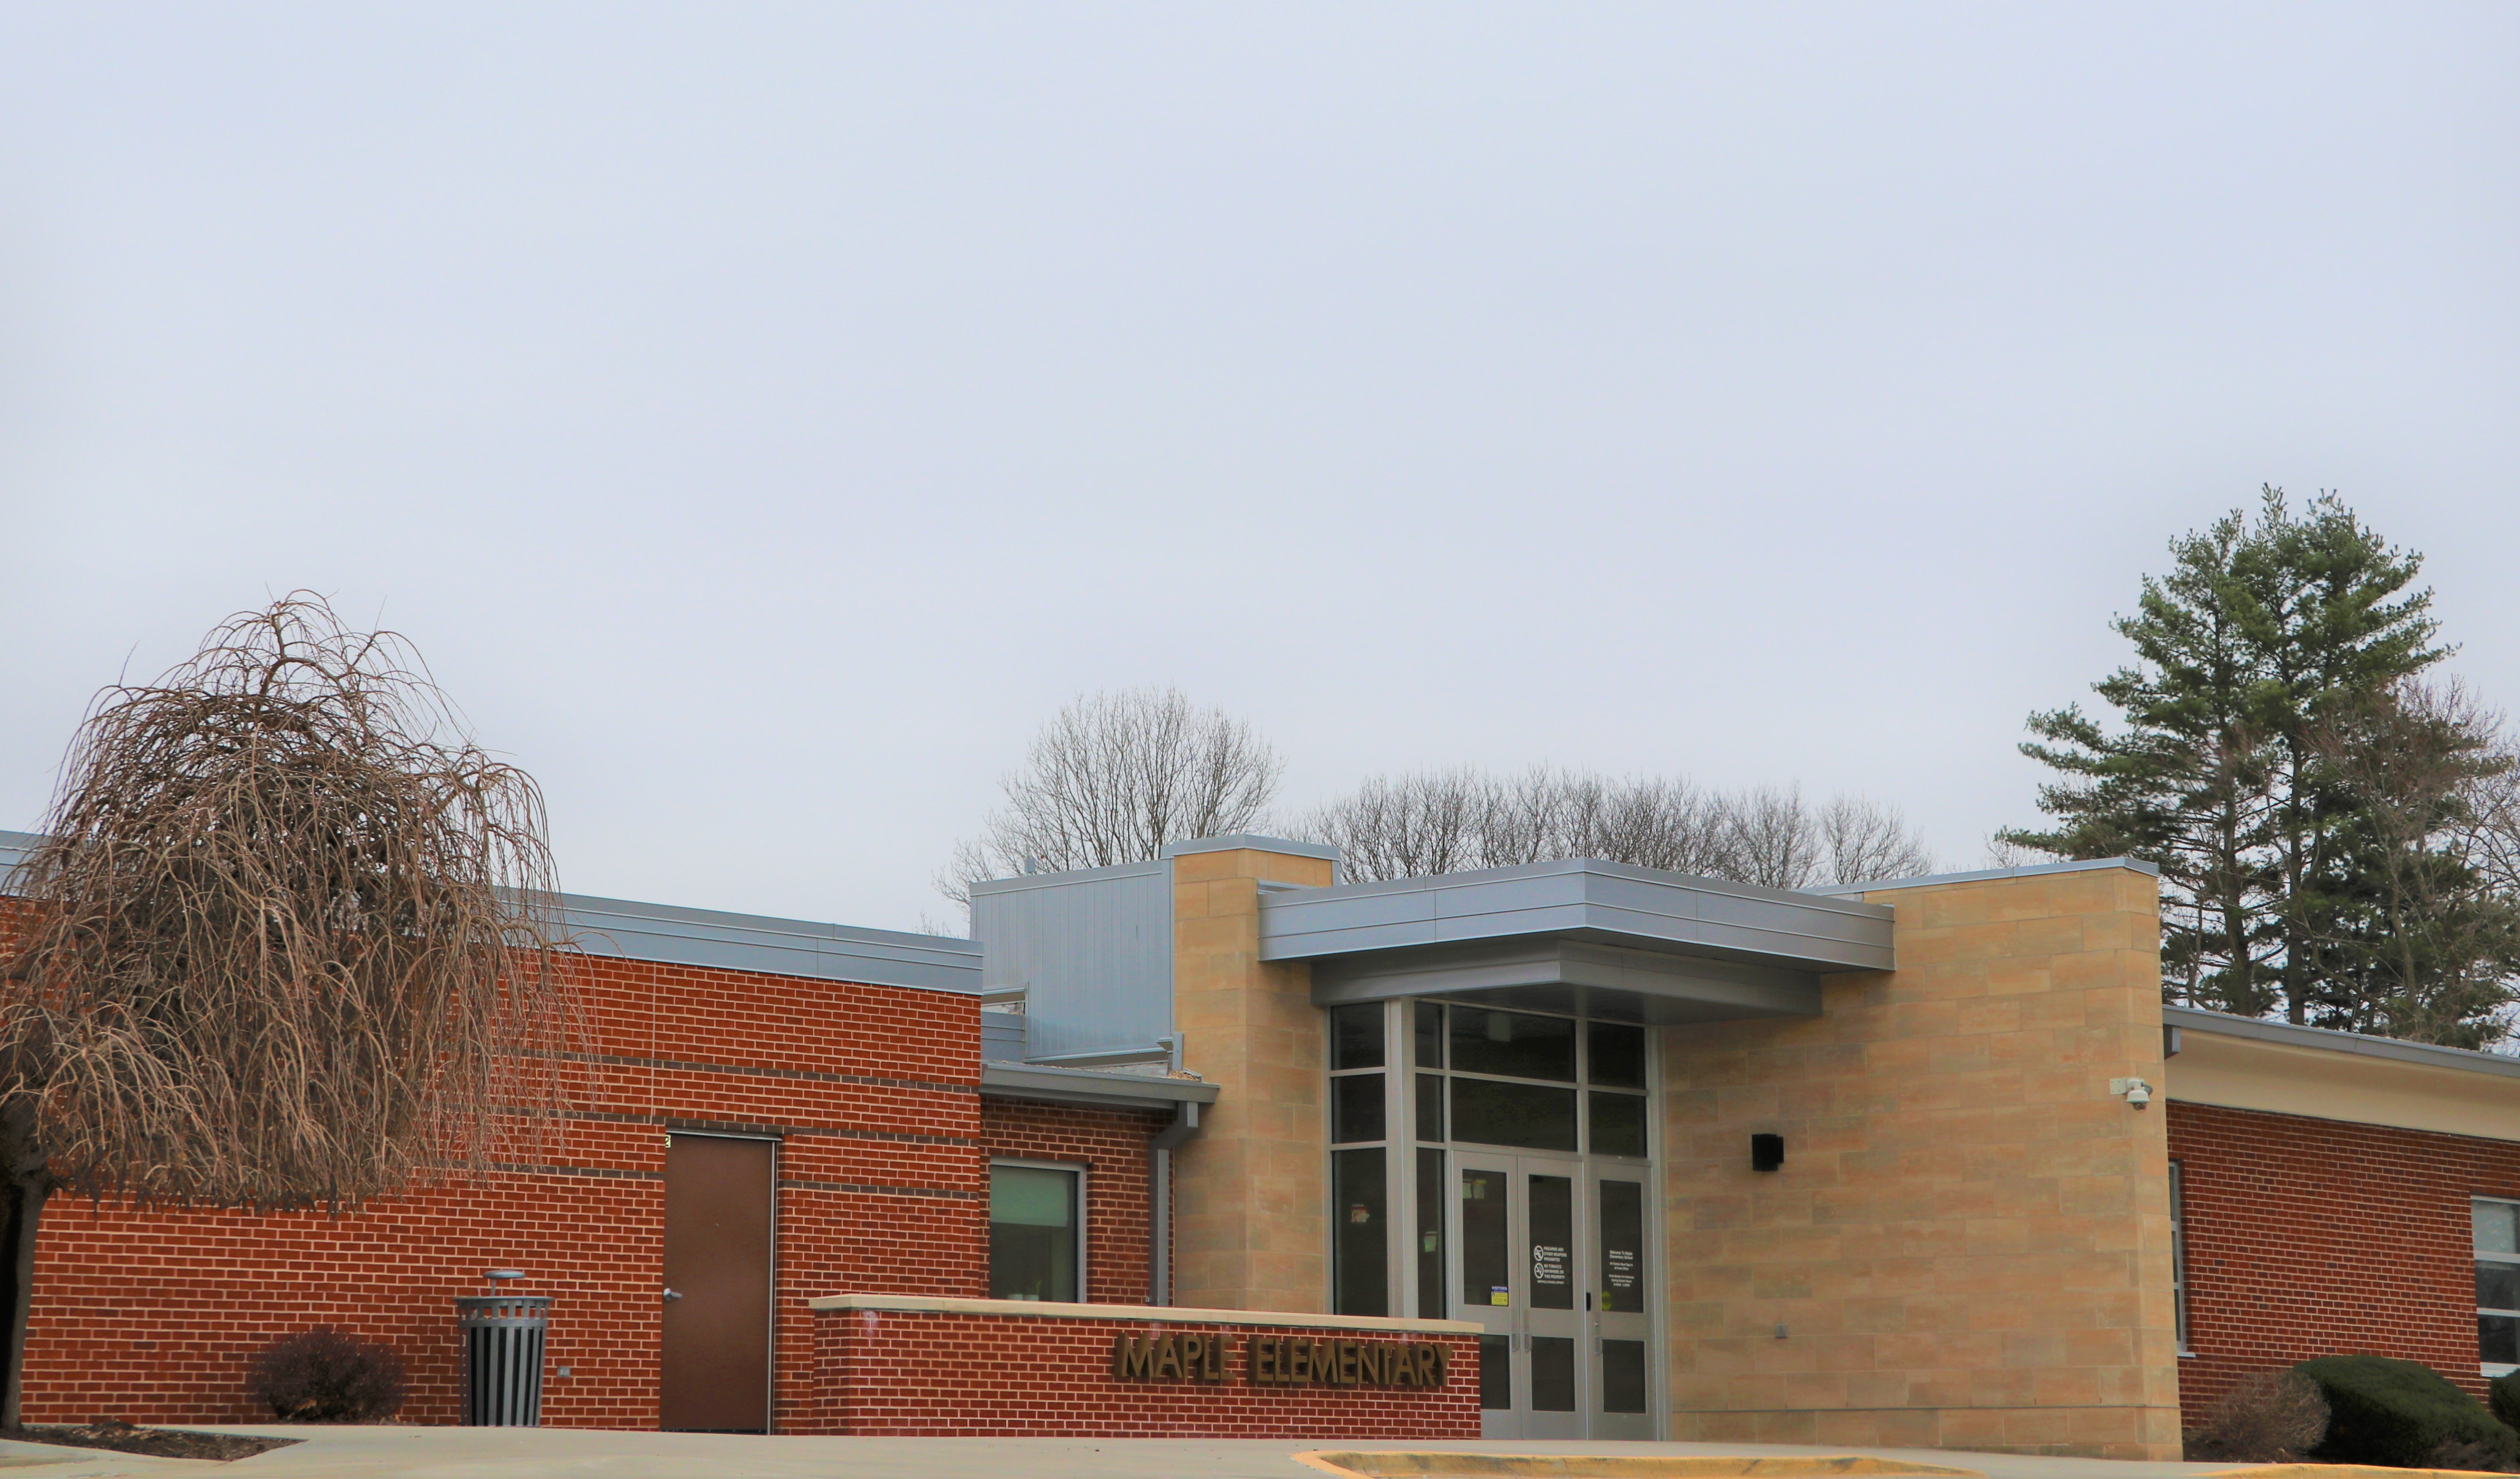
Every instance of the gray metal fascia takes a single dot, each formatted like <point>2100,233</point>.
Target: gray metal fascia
<point>1083,1086</point>
<point>2328,1040</point>
<point>1689,988</point>
<point>771,946</point>
<point>672,935</point>
<point>1236,841</point>
<point>2029,870</point>
<point>1609,902</point>
<point>14,848</point>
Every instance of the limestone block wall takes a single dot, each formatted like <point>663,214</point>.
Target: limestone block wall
<point>1249,1191</point>
<point>1968,1244</point>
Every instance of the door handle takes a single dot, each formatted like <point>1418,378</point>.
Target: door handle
<point>673,1294</point>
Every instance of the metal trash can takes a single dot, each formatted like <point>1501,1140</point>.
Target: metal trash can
<point>503,1358</point>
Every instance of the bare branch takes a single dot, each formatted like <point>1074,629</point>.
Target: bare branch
<point>291,934</point>
<point>1112,779</point>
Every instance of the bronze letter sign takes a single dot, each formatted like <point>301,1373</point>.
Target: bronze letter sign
<point>1295,1361</point>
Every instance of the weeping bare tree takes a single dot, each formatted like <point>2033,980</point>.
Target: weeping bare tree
<point>1112,779</point>
<point>288,941</point>
<point>1440,822</point>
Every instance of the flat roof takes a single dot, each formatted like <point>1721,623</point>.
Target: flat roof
<point>2026,871</point>
<point>1580,899</point>
<point>2329,1040</point>
<point>715,940</point>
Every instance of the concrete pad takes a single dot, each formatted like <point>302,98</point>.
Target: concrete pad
<point>456,1452</point>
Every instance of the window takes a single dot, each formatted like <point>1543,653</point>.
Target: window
<point>1036,1231</point>
<point>2497,1226</point>
<point>1361,1236</point>
<point>1359,1173</point>
<point>1493,1077</point>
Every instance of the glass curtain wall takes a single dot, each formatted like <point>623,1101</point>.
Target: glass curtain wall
<point>1360,1181</point>
<point>1473,1076</point>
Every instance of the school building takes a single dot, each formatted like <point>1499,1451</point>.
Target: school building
<point>1221,1144</point>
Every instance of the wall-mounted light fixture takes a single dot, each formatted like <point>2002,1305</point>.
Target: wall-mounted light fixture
<point>1767,1151</point>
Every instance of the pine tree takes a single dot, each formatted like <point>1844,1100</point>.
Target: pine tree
<point>2260,646</point>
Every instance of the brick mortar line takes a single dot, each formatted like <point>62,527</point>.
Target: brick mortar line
<point>811,1075</point>
<point>751,1127</point>
<point>869,1189</point>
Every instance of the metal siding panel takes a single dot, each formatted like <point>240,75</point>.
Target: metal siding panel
<point>1499,896</point>
<point>1496,923</point>
<point>1092,952</point>
<point>1299,914</point>
<point>1345,941</point>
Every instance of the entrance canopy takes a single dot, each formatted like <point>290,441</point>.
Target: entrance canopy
<point>1600,939</point>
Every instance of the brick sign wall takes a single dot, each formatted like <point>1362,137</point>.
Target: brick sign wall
<point>2315,1237</point>
<point>938,1373</point>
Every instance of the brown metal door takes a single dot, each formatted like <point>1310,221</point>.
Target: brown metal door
<point>717,1284</point>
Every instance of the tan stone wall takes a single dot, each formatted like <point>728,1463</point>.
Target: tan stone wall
<point>1249,1191</point>
<point>1969,1241</point>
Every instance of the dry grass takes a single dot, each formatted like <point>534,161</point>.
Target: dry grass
<point>291,938</point>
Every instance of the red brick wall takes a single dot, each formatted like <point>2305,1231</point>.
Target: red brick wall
<point>872,1090</point>
<point>935,1373</point>
<point>1112,1144</point>
<point>2315,1237</point>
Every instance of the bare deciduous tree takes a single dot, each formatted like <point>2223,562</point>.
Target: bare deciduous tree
<point>1112,779</point>
<point>1439,822</point>
<point>288,941</point>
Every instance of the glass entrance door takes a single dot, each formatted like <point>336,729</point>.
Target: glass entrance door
<point>1554,1266</point>
<point>1525,1267</point>
<point>1619,1400</point>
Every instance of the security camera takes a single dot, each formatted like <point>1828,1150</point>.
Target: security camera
<point>2138,1094</point>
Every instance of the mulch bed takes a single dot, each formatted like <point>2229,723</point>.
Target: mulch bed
<point>157,1443</point>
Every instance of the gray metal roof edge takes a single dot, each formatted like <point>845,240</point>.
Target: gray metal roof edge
<point>1087,1085</point>
<point>1232,842</point>
<point>2329,1040</point>
<point>1432,882</point>
<point>1067,875</point>
<point>573,905</point>
<point>2027,870</point>
<point>760,943</point>
<point>14,847</point>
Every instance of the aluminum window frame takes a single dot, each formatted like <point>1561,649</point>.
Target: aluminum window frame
<point>1084,1187</point>
<point>2512,1259</point>
<point>1398,1193</point>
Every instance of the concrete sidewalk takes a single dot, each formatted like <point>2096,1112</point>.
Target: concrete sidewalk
<point>451,1452</point>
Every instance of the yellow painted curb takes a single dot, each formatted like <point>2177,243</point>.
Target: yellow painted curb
<point>2339,1471</point>
<point>1411,1462</point>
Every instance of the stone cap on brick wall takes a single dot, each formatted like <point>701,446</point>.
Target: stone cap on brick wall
<point>922,1304</point>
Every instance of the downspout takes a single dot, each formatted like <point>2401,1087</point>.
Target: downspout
<point>1159,1191</point>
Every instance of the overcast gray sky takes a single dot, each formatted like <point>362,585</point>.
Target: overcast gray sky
<point>762,417</point>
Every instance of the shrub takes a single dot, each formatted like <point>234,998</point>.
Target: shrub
<point>326,1376</point>
<point>2399,1414</point>
<point>2502,1394</point>
<point>2271,1417</point>
<point>2468,1455</point>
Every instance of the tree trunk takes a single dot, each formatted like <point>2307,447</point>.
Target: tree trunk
<point>25,1183</point>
